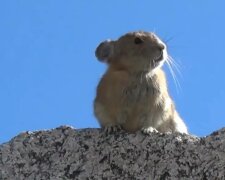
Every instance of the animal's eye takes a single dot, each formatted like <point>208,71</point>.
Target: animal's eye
<point>138,40</point>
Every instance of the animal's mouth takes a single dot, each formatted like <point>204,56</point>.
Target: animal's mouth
<point>158,61</point>
<point>159,58</point>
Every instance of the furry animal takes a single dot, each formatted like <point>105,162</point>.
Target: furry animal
<point>132,93</point>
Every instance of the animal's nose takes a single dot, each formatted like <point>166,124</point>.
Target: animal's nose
<point>161,46</point>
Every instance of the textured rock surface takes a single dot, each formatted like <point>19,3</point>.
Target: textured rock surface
<point>66,153</point>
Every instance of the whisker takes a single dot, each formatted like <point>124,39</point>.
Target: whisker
<point>176,82</point>
<point>174,64</point>
<point>173,61</point>
<point>169,39</point>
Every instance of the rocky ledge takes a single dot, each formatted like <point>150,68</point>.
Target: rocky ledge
<point>66,153</point>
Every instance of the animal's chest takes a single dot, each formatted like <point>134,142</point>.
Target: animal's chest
<point>144,92</point>
<point>121,92</point>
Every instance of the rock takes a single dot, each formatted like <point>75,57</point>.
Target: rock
<point>66,153</point>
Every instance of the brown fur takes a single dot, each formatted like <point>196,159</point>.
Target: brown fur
<point>133,92</point>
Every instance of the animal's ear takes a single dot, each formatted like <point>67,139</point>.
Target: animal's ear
<point>104,50</point>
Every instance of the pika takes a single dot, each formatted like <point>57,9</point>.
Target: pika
<point>132,94</point>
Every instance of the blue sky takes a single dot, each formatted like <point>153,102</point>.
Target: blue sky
<point>48,71</point>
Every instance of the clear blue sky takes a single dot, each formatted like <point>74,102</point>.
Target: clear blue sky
<point>48,71</point>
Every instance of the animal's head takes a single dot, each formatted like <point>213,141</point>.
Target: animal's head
<point>135,51</point>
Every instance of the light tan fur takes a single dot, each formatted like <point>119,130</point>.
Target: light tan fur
<point>133,92</point>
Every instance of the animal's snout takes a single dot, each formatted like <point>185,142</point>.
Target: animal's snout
<point>161,46</point>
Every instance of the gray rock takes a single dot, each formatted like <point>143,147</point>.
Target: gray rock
<point>66,153</point>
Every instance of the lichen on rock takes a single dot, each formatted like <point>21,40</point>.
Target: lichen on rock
<point>67,153</point>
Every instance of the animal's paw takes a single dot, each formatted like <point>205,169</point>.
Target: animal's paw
<point>149,130</point>
<point>112,129</point>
